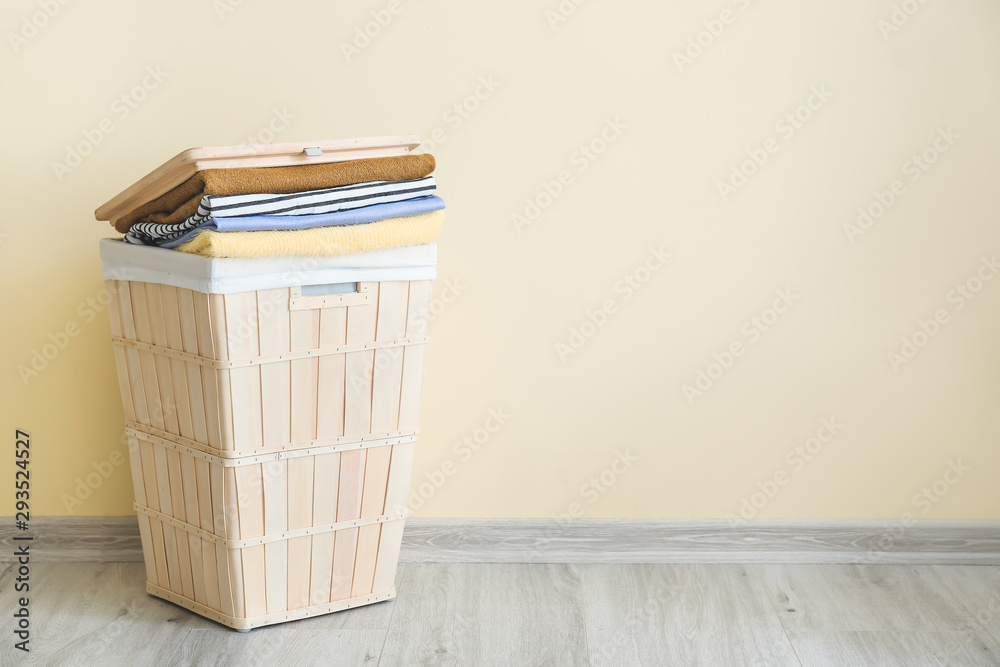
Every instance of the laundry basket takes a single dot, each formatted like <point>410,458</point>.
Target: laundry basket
<point>271,409</point>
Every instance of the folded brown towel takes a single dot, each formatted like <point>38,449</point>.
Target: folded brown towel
<point>182,202</point>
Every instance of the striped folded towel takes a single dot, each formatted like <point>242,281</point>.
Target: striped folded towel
<point>283,211</point>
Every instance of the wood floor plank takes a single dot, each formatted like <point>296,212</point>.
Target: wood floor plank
<point>887,614</point>
<point>280,645</point>
<point>350,637</point>
<point>977,589</point>
<point>905,598</point>
<point>555,614</point>
<point>892,649</point>
<point>460,614</point>
<point>85,614</point>
<point>680,614</point>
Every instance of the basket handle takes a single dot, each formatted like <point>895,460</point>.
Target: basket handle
<point>331,295</point>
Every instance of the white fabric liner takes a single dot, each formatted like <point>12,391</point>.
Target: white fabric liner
<point>149,264</point>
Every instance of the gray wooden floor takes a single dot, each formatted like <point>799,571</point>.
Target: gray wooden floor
<point>472,614</point>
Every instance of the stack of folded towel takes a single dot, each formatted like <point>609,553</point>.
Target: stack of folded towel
<point>334,208</point>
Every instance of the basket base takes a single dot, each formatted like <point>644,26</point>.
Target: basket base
<point>245,624</point>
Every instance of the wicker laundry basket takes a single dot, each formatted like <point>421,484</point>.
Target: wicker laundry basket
<point>271,407</point>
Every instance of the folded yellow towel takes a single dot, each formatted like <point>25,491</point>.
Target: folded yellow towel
<point>319,241</point>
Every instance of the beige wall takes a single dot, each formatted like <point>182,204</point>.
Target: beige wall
<point>668,132</point>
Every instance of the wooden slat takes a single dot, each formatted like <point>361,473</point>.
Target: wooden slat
<point>330,400</point>
<point>166,506</point>
<point>387,559</point>
<point>189,340</point>
<point>275,378</point>
<point>276,489</point>
<point>400,471</point>
<point>210,378</point>
<point>203,480</point>
<point>385,379</point>
<point>361,325</point>
<point>225,508</point>
<point>115,317</point>
<point>153,502</point>
<point>364,562</point>
<point>139,487</point>
<point>397,490</point>
<point>372,502</point>
<point>157,330</point>
<point>236,577</point>
<point>300,499</point>
<point>147,363</point>
<point>135,378</point>
<point>352,467</point>
<point>249,485</point>
<point>220,347</point>
<point>148,552</point>
<point>207,522</point>
<point>376,478</point>
<point>304,336</point>
<point>325,490</point>
<point>245,387</point>
<point>135,467</point>
<point>178,372</point>
<point>361,322</point>
<point>178,502</point>
<point>189,484</point>
<point>412,381</point>
<point>388,362</point>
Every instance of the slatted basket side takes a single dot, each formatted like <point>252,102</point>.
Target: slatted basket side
<point>248,539</point>
<point>266,371</point>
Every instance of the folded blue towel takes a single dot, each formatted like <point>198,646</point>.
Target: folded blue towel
<point>354,216</point>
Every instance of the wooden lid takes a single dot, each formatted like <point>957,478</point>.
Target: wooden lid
<point>184,165</point>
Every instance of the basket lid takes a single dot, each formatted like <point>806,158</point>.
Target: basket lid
<point>185,164</point>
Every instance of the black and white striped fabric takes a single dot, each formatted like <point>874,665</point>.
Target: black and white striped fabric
<point>312,202</point>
